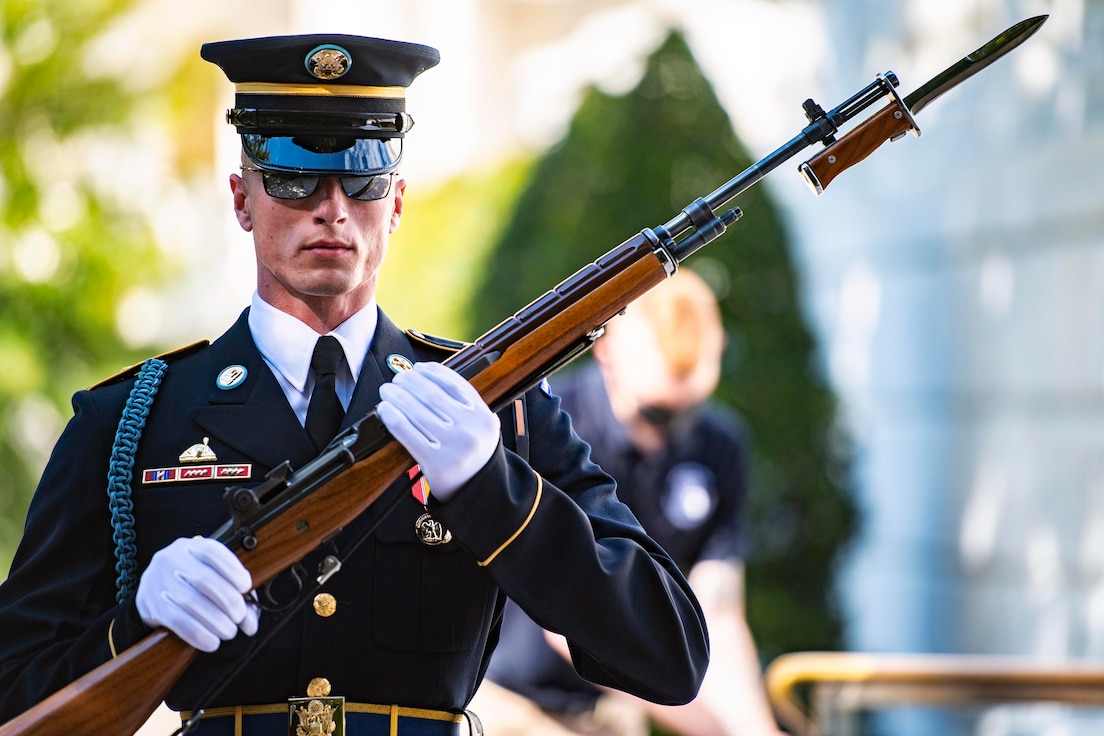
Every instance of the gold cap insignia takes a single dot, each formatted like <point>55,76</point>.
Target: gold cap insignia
<point>199,453</point>
<point>399,363</point>
<point>328,62</point>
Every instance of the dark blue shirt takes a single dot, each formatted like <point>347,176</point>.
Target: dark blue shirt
<point>689,497</point>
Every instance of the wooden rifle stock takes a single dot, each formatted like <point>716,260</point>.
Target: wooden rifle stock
<point>114,697</point>
<point>121,694</point>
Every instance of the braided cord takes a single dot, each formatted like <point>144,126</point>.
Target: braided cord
<point>120,473</point>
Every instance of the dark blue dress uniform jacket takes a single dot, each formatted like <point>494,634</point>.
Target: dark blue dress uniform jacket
<point>414,624</point>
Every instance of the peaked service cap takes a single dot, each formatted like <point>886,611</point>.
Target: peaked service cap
<point>321,103</point>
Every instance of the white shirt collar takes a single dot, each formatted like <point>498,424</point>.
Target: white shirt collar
<point>287,344</point>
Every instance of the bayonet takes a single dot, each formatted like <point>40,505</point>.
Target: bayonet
<point>896,118</point>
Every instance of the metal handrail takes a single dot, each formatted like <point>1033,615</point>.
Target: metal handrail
<point>865,680</point>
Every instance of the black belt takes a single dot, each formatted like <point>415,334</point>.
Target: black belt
<point>361,719</point>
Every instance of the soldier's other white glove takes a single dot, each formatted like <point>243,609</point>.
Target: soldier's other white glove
<point>443,422</point>
<point>195,588</point>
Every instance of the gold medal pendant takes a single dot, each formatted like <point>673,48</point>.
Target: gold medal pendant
<point>430,531</point>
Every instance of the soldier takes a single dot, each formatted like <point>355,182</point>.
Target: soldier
<point>681,465</point>
<point>399,640</point>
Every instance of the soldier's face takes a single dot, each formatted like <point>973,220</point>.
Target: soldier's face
<point>636,366</point>
<point>327,245</point>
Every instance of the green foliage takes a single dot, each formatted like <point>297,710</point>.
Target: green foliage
<point>634,161</point>
<point>69,248</point>
<point>441,246</point>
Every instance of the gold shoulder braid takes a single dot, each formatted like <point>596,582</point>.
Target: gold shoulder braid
<point>168,357</point>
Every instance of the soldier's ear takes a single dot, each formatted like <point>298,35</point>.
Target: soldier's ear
<point>398,191</point>
<point>243,210</point>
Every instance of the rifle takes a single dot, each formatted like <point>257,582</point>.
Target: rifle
<point>276,523</point>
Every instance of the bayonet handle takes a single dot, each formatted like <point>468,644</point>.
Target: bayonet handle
<point>889,123</point>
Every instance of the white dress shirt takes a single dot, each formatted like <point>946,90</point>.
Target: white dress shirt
<point>286,344</point>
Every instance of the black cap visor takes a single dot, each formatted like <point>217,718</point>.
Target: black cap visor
<point>323,154</point>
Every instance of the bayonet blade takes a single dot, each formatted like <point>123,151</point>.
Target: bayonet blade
<point>972,63</point>
<point>896,119</point>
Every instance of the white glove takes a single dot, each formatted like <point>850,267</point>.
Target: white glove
<point>443,422</point>
<point>195,588</point>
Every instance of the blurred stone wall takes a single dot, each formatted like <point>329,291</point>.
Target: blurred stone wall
<point>958,283</point>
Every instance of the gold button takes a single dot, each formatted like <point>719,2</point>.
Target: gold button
<point>325,605</point>
<point>319,687</point>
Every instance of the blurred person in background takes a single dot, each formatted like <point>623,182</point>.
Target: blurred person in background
<point>400,637</point>
<point>682,466</point>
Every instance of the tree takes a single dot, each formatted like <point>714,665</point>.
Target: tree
<point>634,161</point>
<point>71,244</point>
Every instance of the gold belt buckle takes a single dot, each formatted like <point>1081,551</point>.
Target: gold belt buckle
<point>316,716</point>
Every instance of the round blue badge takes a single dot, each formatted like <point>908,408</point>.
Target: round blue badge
<point>399,363</point>
<point>231,376</point>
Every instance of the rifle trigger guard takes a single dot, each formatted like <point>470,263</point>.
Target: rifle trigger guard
<point>297,574</point>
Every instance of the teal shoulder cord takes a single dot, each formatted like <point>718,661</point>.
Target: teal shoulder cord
<point>119,474</point>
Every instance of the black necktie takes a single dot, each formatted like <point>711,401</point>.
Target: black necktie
<point>324,414</point>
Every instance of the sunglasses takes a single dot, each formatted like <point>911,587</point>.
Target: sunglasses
<point>282,185</point>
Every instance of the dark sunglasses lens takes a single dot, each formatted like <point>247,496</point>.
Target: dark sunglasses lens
<point>282,186</point>
<point>285,186</point>
<point>366,188</point>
